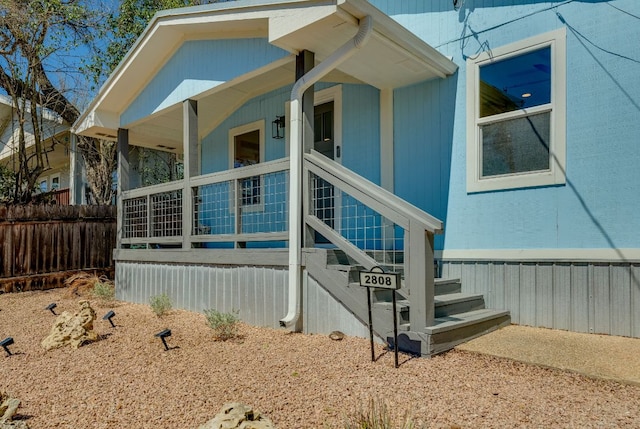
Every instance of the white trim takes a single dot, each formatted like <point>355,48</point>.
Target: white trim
<point>544,255</point>
<point>556,173</point>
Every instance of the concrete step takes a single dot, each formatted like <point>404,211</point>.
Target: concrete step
<point>454,303</point>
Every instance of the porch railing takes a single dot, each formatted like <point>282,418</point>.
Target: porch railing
<point>229,209</point>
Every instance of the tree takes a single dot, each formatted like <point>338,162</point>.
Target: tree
<point>35,35</point>
<point>123,29</point>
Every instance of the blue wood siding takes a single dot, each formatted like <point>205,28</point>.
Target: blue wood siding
<point>196,67</point>
<point>598,206</point>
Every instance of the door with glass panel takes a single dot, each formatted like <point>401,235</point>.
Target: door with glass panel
<point>324,193</point>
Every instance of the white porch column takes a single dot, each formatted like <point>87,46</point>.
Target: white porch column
<point>123,178</point>
<point>191,166</point>
<point>386,139</point>
<point>386,156</point>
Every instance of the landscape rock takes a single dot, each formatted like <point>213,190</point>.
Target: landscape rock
<point>235,415</point>
<point>8,408</point>
<point>73,329</point>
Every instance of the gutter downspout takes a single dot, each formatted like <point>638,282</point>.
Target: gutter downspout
<point>365,29</point>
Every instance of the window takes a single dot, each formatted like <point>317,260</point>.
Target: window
<point>55,183</point>
<point>516,115</point>
<point>247,148</point>
<point>43,185</point>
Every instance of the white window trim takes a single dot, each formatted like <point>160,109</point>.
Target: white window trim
<point>556,174</point>
<point>242,129</point>
<point>55,176</point>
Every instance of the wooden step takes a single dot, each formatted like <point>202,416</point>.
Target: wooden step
<point>448,332</point>
<point>385,311</point>
<point>444,286</point>
<point>454,303</point>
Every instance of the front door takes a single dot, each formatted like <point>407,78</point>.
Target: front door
<point>324,143</point>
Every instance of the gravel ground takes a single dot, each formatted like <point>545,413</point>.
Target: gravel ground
<point>127,380</point>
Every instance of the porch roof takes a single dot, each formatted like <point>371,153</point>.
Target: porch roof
<point>394,57</point>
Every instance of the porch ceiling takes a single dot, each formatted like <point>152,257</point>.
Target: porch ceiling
<point>392,58</point>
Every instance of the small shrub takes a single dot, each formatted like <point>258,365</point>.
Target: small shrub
<point>160,304</point>
<point>224,325</point>
<point>104,290</point>
<point>376,416</point>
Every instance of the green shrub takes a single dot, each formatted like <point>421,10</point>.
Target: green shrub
<point>376,416</point>
<point>104,290</point>
<point>224,325</point>
<point>160,304</point>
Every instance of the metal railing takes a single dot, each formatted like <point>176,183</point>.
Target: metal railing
<point>247,204</point>
<point>373,227</point>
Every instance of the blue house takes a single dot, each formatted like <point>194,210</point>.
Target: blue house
<point>486,151</point>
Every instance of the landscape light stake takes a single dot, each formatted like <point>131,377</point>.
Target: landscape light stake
<point>5,345</point>
<point>162,335</point>
<point>50,307</point>
<point>108,317</point>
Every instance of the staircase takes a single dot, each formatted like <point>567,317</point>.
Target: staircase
<point>459,316</point>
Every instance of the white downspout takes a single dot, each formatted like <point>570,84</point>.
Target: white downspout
<point>296,157</point>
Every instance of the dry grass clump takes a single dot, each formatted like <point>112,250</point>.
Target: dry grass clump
<point>376,416</point>
<point>87,284</point>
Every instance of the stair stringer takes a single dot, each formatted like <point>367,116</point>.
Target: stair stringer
<point>336,283</point>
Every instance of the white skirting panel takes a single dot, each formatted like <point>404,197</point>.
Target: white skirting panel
<point>323,313</point>
<point>260,293</point>
<point>600,298</point>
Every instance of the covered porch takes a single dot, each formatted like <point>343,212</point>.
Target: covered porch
<point>280,209</point>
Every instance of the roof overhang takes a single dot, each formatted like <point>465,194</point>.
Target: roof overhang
<point>393,57</point>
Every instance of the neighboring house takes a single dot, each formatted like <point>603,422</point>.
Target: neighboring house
<point>57,179</point>
<point>498,137</point>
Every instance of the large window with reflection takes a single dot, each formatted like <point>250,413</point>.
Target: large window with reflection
<point>516,115</point>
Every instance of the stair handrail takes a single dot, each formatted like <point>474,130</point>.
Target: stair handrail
<point>375,196</point>
<point>419,227</point>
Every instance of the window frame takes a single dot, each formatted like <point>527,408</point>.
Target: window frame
<point>556,174</point>
<point>51,180</point>
<point>259,126</point>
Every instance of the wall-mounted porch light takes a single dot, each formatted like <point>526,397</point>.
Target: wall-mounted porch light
<point>277,127</point>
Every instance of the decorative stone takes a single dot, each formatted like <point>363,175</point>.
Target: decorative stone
<point>235,415</point>
<point>75,329</point>
<point>336,335</point>
<point>8,408</point>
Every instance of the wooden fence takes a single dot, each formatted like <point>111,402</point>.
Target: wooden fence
<point>42,245</point>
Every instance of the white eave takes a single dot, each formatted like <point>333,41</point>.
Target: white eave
<point>393,58</point>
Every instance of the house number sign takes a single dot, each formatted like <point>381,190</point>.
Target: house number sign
<point>376,278</point>
<point>379,279</point>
